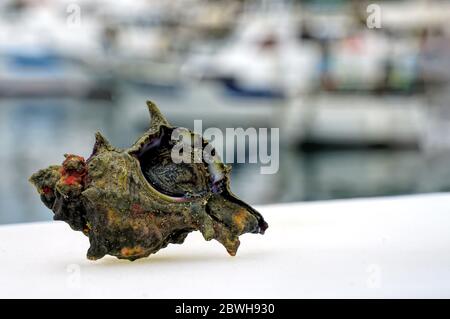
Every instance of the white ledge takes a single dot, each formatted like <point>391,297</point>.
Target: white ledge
<point>384,247</point>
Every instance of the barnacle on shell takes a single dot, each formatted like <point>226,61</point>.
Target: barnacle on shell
<point>133,202</point>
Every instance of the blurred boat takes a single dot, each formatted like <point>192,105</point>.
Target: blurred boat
<point>356,120</point>
<point>42,53</point>
<point>141,56</point>
<point>205,102</point>
<point>263,58</point>
<point>415,14</point>
<point>28,72</point>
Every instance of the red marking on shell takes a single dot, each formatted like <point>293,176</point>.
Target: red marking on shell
<point>47,190</point>
<point>71,176</point>
<point>136,209</point>
<point>71,180</point>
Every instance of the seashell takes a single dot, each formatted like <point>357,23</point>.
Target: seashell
<point>133,202</point>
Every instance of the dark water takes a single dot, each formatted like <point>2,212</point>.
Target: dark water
<point>37,132</point>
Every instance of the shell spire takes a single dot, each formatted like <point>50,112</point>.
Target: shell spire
<point>156,117</point>
<point>101,144</point>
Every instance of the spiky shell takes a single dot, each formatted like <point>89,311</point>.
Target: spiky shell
<point>133,202</point>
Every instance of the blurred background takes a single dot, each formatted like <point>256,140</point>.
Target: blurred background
<point>363,108</point>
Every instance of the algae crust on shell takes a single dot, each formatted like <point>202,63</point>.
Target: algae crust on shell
<point>133,202</point>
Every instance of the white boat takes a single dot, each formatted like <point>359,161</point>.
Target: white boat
<point>263,58</point>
